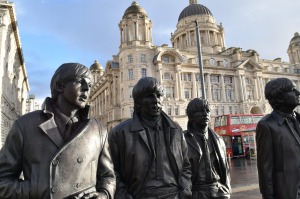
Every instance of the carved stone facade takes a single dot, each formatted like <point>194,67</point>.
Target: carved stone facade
<point>14,84</point>
<point>234,79</point>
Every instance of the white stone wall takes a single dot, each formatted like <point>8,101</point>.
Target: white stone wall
<point>13,84</point>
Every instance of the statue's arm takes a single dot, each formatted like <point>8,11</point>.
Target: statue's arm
<point>265,160</point>
<point>186,174</point>
<point>106,180</point>
<point>121,189</point>
<point>11,154</point>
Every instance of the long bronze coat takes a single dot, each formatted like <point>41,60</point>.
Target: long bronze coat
<point>195,155</point>
<point>132,157</point>
<point>278,157</point>
<point>51,168</point>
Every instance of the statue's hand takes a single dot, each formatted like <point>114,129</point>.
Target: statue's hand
<point>95,195</point>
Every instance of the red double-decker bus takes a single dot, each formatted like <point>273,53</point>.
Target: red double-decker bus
<point>238,132</point>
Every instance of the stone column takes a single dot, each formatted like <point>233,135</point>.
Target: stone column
<point>194,86</point>
<point>223,95</point>
<point>209,98</point>
<point>236,89</point>
<point>242,95</point>
<point>179,82</point>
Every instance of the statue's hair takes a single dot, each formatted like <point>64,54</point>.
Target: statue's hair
<point>143,86</point>
<point>276,88</point>
<point>65,73</point>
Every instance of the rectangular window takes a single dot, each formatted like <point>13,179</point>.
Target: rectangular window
<point>130,58</point>
<point>130,91</point>
<point>187,93</point>
<point>130,73</point>
<point>176,110</point>
<point>168,92</point>
<point>169,110</point>
<point>131,111</point>
<point>144,72</point>
<point>165,59</point>
<point>143,58</point>
<point>189,77</point>
<point>215,78</point>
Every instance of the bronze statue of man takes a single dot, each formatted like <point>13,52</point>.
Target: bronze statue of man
<point>61,152</point>
<point>207,154</point>
<point>149,151</point>
<point>278,142</point>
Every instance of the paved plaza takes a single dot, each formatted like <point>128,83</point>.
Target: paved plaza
<point>244,179</point>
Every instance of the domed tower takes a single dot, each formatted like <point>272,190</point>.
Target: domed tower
<point>135,27</point>
<point>212,35</point>
<point>294,50</point>
<point>97,70</point>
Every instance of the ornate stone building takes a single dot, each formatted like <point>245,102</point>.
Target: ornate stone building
<point>234,79</point>
<point>14,84</point>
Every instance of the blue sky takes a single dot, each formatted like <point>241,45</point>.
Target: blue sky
<point>54,32</point>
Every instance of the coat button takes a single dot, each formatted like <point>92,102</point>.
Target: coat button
<point>55,162</point>
<point>54,189</point>
<point>79,160</point>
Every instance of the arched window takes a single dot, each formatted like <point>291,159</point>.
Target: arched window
<point>212,62</point>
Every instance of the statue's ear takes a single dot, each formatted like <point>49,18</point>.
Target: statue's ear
<point>59,87</point>
<point>280,99</point>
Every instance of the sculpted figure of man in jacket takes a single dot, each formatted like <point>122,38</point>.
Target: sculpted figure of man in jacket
<point>207,154</point>
<point>149,151</point>
<point>61,152</point>
<point>278,142</point>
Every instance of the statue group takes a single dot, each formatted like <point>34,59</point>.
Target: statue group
<point>59,152</point>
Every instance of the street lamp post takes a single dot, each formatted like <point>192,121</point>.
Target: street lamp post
<point>200,60</point>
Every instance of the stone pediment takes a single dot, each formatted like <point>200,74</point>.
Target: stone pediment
<point>249,64</point>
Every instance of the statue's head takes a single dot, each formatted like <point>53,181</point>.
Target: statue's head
<point>148,96</point>
<point>198,112</point>
<point>66,73</point>
<point>282,92</point>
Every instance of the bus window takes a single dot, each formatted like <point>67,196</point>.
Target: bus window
<point>227,141</point>
<point>234,120</point>
<point>256,119</point>
<point>246,120</point>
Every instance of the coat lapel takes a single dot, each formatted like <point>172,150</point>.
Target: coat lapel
<point>193,143</point>
<point>50,129</point>
<point>144,137</point>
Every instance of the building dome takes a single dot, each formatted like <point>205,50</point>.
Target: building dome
<point>295,39</point>
<point>96,66</point>
<point>194,9</point>
<point>134,9</point>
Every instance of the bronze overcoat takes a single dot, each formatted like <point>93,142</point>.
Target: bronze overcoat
<point>132,156</point>
<point>51,168</point>
<point>195,155</point>
<point>278,157</point>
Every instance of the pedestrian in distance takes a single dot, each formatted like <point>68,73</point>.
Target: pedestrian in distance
<point>149,150</point>
<point>278,142</point>
<point>60,151</point>
<point>207,154</point>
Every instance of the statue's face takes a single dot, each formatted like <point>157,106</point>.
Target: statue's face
<point>201,116</point>
<point>291,98</point>
<point>76,93</point>
<point>151,103</point>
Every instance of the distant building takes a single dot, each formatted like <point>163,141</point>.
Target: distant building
<point>31,104</point>
<point>14,84</point>
<point>234,78</point>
